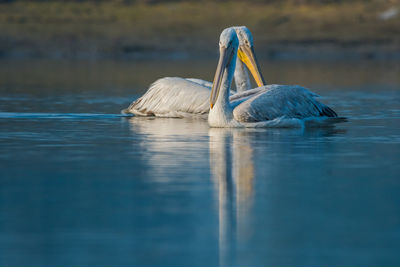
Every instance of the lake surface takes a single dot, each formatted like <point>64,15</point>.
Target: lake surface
<point>81,185</point>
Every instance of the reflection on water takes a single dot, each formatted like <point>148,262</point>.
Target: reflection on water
<point>233,173</point>
<point>170,142</point>
<point>82,186</point>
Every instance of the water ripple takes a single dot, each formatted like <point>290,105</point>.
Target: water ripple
<point>18,115</point>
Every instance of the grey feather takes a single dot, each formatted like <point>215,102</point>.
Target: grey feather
<point>274,101</point>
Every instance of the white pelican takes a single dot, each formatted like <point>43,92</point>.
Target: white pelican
<point>256,107</point>
<point>182,97</point>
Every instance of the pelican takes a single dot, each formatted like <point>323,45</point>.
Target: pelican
<point>256,107</point>
<point>182,97</point>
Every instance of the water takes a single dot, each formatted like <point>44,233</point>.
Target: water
<point>81,185</point>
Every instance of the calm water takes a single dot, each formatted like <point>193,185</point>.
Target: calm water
<point>82,186</point>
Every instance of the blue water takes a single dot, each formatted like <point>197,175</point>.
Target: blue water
<point>81,185</point>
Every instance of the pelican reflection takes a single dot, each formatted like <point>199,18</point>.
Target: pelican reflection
<point>232,171</point>
<point>235,163</point>
<point>175,153</point>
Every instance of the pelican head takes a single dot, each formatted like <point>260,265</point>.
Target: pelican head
<point>228,46</point>
<point>247,55</point>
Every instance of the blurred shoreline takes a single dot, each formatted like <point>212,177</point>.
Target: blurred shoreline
<point>124,30</point>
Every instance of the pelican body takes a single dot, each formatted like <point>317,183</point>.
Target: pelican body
<point>259,106</point>
<point>183,97</point>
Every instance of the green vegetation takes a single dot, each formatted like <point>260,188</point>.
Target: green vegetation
<point>118,28</point>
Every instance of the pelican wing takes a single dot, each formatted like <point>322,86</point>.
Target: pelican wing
<point>274,101</point>
<point>172,97</point>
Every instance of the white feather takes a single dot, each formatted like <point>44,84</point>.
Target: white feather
<point>201,82</point>
<point>172,97</point>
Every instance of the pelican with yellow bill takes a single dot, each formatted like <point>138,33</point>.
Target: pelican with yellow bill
<point>260,106</point>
